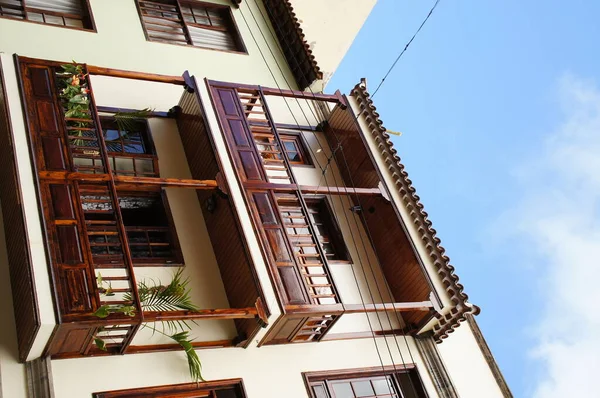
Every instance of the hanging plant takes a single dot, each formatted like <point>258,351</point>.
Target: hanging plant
<point>158,297</point>
<point>75,96</point>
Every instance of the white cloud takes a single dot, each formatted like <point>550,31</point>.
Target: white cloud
<point>559,217</point>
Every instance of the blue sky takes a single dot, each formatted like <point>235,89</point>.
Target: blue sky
<point>499,107</point>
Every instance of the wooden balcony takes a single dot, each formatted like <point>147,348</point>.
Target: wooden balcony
<point>119,218</point>
<point>352,259</point>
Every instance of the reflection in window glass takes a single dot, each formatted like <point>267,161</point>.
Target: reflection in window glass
<point>343,390</point>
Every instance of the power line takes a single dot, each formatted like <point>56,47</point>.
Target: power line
<point>406,47</point>
<point>324,170</point>
<point>339,146</point>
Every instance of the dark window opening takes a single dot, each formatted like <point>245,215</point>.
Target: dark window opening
<point>214,389</point>
<point>192,23</point>
<point>327,229</point>
<point>131,151</point>
<point>296,149</point>
<point>67,13</point>
<point>374,384</point>
<point>147,221</point>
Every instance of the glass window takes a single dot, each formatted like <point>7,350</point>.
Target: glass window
<point>69,13</point>
<point>190,23</point>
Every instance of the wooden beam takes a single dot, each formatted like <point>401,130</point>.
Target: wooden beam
<point>362,335</point>
<point>102,71</point>
<point>325,190</point>
<point>138,349</point>
<point>110,109</point>
<point>168,182</point>
<point>311,189</point>
<point>391,307</point>
<point>335,309</point>
<point>228,313</point>
<point>315,309</point>
<point>337,98</point>
<point>125,74</point>
<point>119,180</point>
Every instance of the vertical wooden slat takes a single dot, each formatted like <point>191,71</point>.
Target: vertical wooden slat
<point>27,317</point>
<point>117,212</point>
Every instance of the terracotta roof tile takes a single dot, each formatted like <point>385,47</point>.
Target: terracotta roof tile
<point>293,42</point>
<point>461,307</point>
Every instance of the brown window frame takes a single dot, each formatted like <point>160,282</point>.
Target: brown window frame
<point>177,259</point>
<point>230,25</point>
<point>399,375</point>
<point>301,148</point>
<point>191,390</point>
<point>146,140</point>
<point>87,18</point>
<point>335,235</point>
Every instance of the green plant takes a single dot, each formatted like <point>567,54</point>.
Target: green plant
<point>126,121</point>
<point>74,92</point>
<point>158,297</point>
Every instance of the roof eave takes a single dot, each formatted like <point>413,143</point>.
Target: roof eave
<point>436,253</point>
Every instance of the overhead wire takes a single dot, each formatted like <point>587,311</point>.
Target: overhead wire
<point>405,48</point>
<point>400,322</point>
<point>347,222</point>
<point>333,156</point>
<point>323,170</point>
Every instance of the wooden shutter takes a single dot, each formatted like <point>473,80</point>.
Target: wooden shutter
<point>233,121</point>
<point>58,6</point>
<point>189,23</point>
<point>280,251</point>
<point>209,27</point>
<point>296,260</point>
<point>162,21</point>
<point>227,239</point>
<point>26,314</point>
<point>12,9</point>
<point>62,224</point>
<point>62,147</point>
<point>71,13</point>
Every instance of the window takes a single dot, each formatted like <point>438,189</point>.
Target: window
<point>68,13</point>
<point>328,232</point>
<point>211,389</point>
<point>292,144</point>
<point>131,152</point>
<point>152,239</point>
<point>191,23</point>
<point>295,149</point>
<point>375,383</point>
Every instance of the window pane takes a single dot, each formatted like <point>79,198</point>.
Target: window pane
<point>343,390</point>
<point>124,165</point>
<point>75,23</point>
<point>111,135</point>
<point>54,20</point>
<point>290,146</point>
<point>383,386</point>
<point>363,389</point>
<point>144,166</point>
<point>319,392</point>
<point>35,17</point>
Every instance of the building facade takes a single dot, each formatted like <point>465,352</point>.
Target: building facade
<point>186,212</point>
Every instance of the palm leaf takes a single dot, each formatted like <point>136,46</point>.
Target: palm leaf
<point>129,121</point>
<point>193,361</point>
<point>175,296</point>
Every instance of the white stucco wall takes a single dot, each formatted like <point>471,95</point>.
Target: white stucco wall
<point>120,43</point>
<point>268,372</point>
<point>466,365</point>
<point>330,28</point>
<point>12,373</point>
